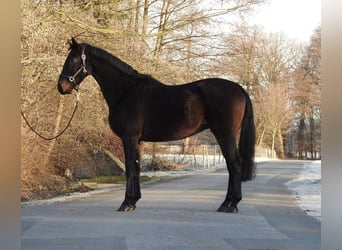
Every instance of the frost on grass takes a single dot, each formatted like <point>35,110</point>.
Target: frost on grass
<point>307,188</point>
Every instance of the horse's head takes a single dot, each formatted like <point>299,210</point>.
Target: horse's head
<point>75,69</point>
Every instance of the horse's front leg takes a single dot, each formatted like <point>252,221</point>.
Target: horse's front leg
<point>132,165</point>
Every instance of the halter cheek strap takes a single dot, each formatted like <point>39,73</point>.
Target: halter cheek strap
<point>82,68</point>
<point>83,57</point>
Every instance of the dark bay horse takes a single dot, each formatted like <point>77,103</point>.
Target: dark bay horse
<point>143,109</point>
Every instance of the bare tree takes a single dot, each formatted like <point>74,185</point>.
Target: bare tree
<point>43,51</point>
<point>274,114</point>
<point>307,97</point>
<point>190,14</point>
<point>242,56</point>
<point>263,64</point>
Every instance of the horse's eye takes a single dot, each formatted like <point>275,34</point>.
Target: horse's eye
<point>74,60</point>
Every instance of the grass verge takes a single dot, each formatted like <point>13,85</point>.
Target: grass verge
<point>115,179</point>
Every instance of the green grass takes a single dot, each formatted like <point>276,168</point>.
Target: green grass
<point>115,179</point>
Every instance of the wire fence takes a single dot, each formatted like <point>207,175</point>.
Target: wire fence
<point>199,156</point>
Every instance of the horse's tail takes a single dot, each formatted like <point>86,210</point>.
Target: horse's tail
<point>247,141</point>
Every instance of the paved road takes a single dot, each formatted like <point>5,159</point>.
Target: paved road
<point>179,214</point>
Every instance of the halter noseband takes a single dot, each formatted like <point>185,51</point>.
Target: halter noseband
<point>82,68</point>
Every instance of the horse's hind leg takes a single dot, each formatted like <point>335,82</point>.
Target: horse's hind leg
<point>229,151</point>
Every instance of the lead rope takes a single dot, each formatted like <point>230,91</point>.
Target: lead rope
<point>60,133</point>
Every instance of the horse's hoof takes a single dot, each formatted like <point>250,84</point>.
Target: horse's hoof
<point>228,209</point>
<point>232,210</point>
<point>222,209</point>
<point>126,208</point>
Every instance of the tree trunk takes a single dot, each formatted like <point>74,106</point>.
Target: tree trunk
<point>281,144</point>
<point>131,15</point>
<point>145,18</point>
<point>261,137</point>
<point>186,145</point>
<point>56,130</point>
<point>273,143</point>
<point>161,29</point>
<point>312,135</point>
<point>137,15</point>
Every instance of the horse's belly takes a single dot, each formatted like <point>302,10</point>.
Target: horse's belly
<point>169,126</point>
<point>170,132</point>
<point>173,116</point>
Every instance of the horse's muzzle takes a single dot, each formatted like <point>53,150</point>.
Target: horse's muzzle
<point>64,87</point>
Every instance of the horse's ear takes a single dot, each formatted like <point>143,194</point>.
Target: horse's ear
<point>73,44</point>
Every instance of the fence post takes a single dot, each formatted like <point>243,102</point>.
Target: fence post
<point>203,162</point>
<point>207,156</point>
<point>194,154</point>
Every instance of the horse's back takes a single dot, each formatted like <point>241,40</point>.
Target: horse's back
<point>220,88</point>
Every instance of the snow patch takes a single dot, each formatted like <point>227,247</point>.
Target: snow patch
<point>307,188</point>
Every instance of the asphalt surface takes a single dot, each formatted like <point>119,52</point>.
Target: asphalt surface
<point>179,214</point>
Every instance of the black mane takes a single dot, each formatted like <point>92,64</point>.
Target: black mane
<point>120,65</point>
<point>113,60</point>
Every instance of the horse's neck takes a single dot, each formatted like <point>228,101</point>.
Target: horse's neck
<point>113,83</point>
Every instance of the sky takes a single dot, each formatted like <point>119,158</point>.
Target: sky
<point>296,18</point>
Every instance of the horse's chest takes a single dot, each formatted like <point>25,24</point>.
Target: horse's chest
<point>126,119</point>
